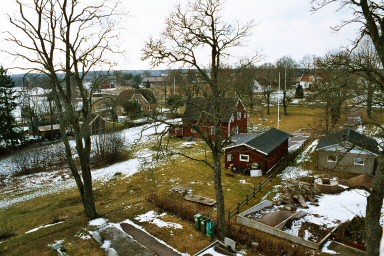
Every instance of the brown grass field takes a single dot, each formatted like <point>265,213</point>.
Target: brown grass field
<point>125,197</point>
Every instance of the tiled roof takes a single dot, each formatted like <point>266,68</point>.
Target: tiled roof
<point>264,142</point>
<point>350,136</point>
<point>200,108</point>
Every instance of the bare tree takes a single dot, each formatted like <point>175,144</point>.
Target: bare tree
<point>331,87</point>
<point>65,40</point>
<point>188,30</point>
<point>370,15</point>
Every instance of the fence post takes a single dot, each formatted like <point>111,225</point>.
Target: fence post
<point>246,199</point>
<point>238,208</point>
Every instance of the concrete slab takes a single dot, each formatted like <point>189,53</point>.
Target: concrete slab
<point>122,243</point>
<point>148,241</point>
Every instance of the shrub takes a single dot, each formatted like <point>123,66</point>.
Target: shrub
<point>107,148</point>
<point>39,159</point>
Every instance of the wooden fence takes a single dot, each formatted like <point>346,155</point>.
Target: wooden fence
<point>275,170</point>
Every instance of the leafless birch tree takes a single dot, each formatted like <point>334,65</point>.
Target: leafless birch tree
<point>188,32</point>
<point>66,40</point>
<point>370,15</point>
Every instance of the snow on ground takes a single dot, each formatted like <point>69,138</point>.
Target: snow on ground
<point>40,184</point>
<point>333,210</point>
<point>292,172</point>
<point>153,217</point>
<point>98,222</point>
<point>211,251</point>
<point>326,250</point>
<point>49,225</point>
<point>141,228</point>
<point>307,152</point>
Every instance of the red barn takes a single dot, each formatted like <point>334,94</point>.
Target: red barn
<point>256,151</point>
<point>199,113</point>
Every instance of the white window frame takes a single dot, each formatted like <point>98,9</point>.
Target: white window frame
<point>229,157</point>
<point>330,160</point>
<point>213,130</point>
<point>238,115</point>
<point>244,158</point>
<point>357,163</point>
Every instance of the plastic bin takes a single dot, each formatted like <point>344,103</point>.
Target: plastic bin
<point>197,221</point>
<point>203,223</point>
<point>210,227</point>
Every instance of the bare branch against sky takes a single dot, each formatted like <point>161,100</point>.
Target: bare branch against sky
<point>283,28</point>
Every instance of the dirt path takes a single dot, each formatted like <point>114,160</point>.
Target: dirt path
<point>123,244</point>
<point>148,241</point>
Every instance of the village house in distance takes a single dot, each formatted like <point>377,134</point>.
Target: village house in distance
<point>199,112</point>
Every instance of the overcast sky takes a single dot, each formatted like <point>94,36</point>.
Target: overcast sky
<point>283,28</point>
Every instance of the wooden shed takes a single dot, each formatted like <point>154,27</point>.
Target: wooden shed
<point>256,151</point>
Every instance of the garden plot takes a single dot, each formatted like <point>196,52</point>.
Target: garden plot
<point>18,189</point>
<point>310,226</point>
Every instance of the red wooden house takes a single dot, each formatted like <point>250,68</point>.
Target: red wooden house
<point>256,151</point>
<point>199,114</point>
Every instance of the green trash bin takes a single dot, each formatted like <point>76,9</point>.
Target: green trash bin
<point>210,227</point>
<point>203,222</point>
<point>197,221</point>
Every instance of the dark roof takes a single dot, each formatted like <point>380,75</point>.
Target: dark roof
<point>126,95</point>
<point>199,108</point>
<point>91,118</point>
<point>350,136</point>
<point>264,142</point>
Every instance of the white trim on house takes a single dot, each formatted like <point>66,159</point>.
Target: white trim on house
<point>359,161</point>
<point>244,158</point>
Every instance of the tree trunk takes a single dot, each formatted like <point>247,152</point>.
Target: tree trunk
<point>369,99</point>
<point>220,205</point>
<point>373,230</point>
<point>285,102</point>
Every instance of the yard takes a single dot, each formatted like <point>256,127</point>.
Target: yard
<point>34,201</point>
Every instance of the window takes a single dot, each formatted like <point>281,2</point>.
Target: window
<point>238,115</point>
<point>244,158</point>
<point>358,161</point>
<point>229,157</point>
<point>213,130</point>
<point>332,158</point>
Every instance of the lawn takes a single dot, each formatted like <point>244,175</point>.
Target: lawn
<point>124,197</point>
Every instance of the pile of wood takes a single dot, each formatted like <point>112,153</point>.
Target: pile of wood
<point>296,192</point>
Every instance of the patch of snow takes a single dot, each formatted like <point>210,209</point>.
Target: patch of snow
<point>83,236</point>
<point>307,152</point>
<point>326,250</point>
<point>243,182</point>
<point>211,251</point>
<point>382,244</point>
<point>45,183</point>
<point>292,172</point>
<point>45,226</point>
<point>106,244</point>
<point>98,222</point>
<point>153,217</point>
<point>333,210</point>
<point>160,241</point>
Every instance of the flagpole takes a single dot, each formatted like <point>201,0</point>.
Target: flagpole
<point>278,105</point>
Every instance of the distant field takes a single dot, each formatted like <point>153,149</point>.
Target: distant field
<point>298,117</point>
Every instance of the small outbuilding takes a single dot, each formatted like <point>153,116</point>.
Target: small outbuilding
<point>49,132</point>
<point>258,151</point>
<point>347,151</point>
